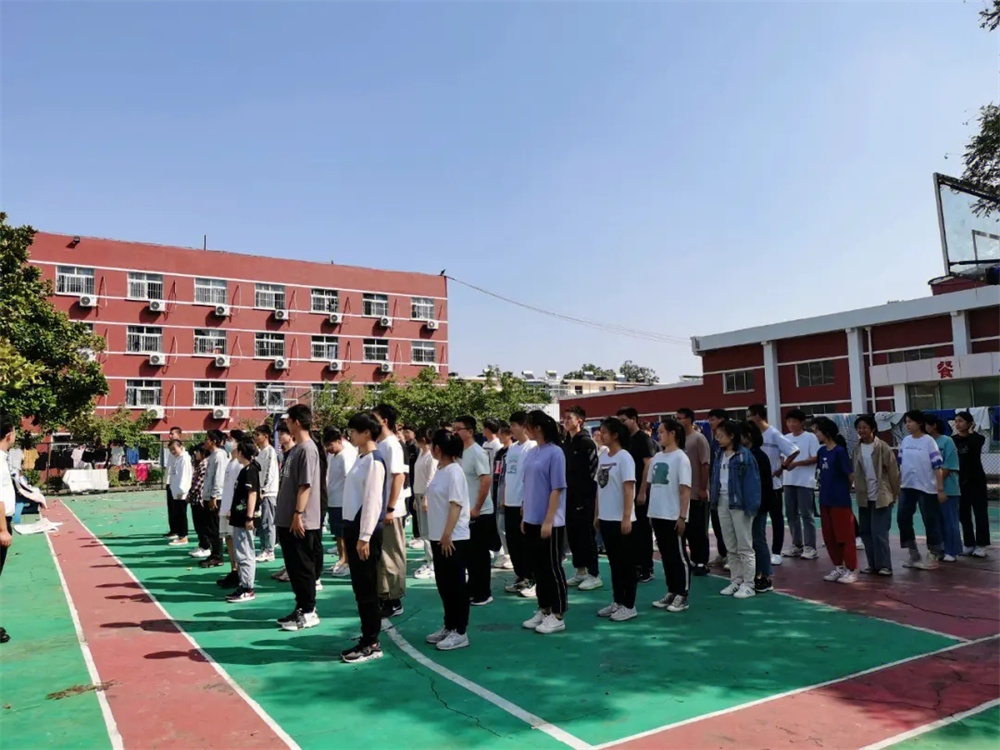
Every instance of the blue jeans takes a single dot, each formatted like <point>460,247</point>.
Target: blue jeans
<point>267,530</point>
<point>909,500</point>
<point>762,555</point>
<point>951,530</point>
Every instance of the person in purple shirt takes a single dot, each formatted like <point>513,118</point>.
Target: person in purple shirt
<point>543,521</point>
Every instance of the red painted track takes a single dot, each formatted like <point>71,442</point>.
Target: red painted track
<point>164,694</point>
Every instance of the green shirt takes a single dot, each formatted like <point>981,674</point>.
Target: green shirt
<point>949,455</point>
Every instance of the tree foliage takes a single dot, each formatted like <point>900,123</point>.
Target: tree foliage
<point>634,373</point>
<point>45,375</point>
<point>118,427</point>
<point>597,373</point>
<point>982,152</point>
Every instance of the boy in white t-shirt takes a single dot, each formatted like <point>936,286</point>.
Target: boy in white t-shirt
<point>669,478</point>
<point>423,473</point>
<point>800,488</point>
<point>512,499</point>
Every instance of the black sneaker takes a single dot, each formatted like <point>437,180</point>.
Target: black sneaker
<point>4,636</point>
<point>762,585</point>
<point>699,570</point>
<point>302,621</point>
<point>645,577</point>
<point>210,562</point>
<point>241,595</point>
<point>359,653</point>
<point>391,608</point>
<point>229,580</point>
<point>288,618</point>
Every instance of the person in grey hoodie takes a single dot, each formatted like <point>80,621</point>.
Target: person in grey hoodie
<point>211,492</point>
<point>267,459</point>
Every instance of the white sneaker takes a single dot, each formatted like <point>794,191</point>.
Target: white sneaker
<point>576,580</point>
<point>775,559</point>
<point>424,572</point>
<point>589,583</point>
<point>623,614</point>
<point>948,558</point>
<point>914,559</point>
<point>979,552</point>
<point>793,552</point>
<point>312,619</point>
<point>731,589</point>
<point>835,574</point>
<point>508,564</point>
<point>438,636</point>
<point>809,553</point>
<point>528,592</point>
<point>500,561</point>
<point>745,592</point>
<point>340,570</point>
<point>551,624</point>
<point>725,565</point>
<point>609,610</point>
<point>200,554</point>
<point>858,544</point>
<point>319,585</point>
<point>849,576</point>
<point>665,602</point>
<point>679,604</point>
<point>483,603</point>
<point>930,563</point>
<point>265,557</point>
<point>968,550</point>
<point>534,621</point>
<point>416,544</point>
<point>453,641</point>
<point>178,542</point>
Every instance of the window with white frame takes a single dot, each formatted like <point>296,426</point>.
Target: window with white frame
<point>269,345</point>
<point>325,347</point>
<point>739,381</point>
<point>209,393</point>
<point>808,374</point>
<point>211,291</point>
<point>144,339</point>
<point>424,352</point>
<point>142,393</point>
<point>269,297</point>
<point>145,286</point>
<point>376,350</point>
<point>209,341</point>
<point>74,280</point>
<point>375,305</point>
<point>817,409</point>
<point>422,308</point>
<point>269,396</point>
<point>325,300</point>
<point>912,355</point>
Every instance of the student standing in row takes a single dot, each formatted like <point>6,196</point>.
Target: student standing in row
<point>199,464</point>
<point>243,516</point>
<point>392,563</point>
<point>699,455</point>
<point>782,452</point>
<point>951,532</point>
<point>513,498</point>
<point>342,456</point>
<point>615,516</point>
<point>267,459</point>
<point>544,522</point>
<point>366,498</point>
<point>211,494</point>
<point>972,484</point>
<point>922,486</point>
<point>800,488</point>
<point>423,472</point>
<point>642,449</point>
<point>836,476</point>
<point>482,527</point>
<point>753,441</point>
<point>176,512</point>
<point>736,496</point>
<point>581,494</point>
<point>669,478</point>
<point>715,418</point>
<point>502,559</point>
<point>876,485</point>
<point>448,529</point>
<point>8,497</point>
<point>225,507</point>
<point>179,481</point>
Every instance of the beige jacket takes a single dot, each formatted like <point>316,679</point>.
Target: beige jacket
<point>886,474</point>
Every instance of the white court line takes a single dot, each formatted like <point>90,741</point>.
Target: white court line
<point>88,658</point>
<point>796,691</point>
<point>932,726</point>
<point>536,722</point>
<point>257,709</point>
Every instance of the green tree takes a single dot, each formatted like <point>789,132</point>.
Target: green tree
<point>336,403</point>
<point>119,427</point>
<point>982,152</point>
<point>633,373</point>
<point>597,373</point>
<point>58,383</point>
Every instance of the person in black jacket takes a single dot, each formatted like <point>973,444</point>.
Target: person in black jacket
<point>752,439</point>
<point>642,449</point>
<point>581,495</point>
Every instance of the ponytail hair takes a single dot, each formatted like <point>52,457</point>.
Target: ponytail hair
<point>539,420</point>
<point>829,428</point>
<point>448,443</point>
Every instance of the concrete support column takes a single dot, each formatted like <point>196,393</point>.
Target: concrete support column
<point>856,369</point>
<point>899,398</point>
<point>772,393</point>
<point>960,333</point>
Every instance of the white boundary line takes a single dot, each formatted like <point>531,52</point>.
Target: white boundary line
<point>102,699</point>
<point>536,722</point>
<point>796,691</point>
<point>932,726</point>
<point>257,709</point>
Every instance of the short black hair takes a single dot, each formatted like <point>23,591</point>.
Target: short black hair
<point>365,421</point>
<point>796,414</point>
<point>301,414</point>
<point>915,415</point>
<point>467,421</point>
<point>757,410</point>
<point>578,411</point>
<point>933,420</point>
<point>719,414</point>
<point>519,418</point>
<point>686,413</point>
<point>491,424</point>
<point>424,434</point>
<point>628,412</point>
<point>175,441</point>
<point>617,428</point>
<point>331,435</point>
<point>263,430</point>
<point>175,429</point>
<point>389,413</point>
<point>867,419</point>
<point>967,416</point>
<point>752,431</point>
<point>216,436</point>
<point>237,435</point>
<point>7,425</point>
<point>283,427</point>
<point>246,448</point>
<point>448,443</point>
<point>503,427</point>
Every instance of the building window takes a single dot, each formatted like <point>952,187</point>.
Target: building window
<point>144,339</point>
<point>376,350</point>
<point>578,389</point>
<point>142,393</point>
<point>145,286</point>
<point>817,409</point>
<point>209,341</point>
<point>375,305</point>
<point>269,345</point>
<point>953,394</point>
<point>325,347</point>
<point>269,297</point>
<point>210,291</point>
<point>74,280</point>
<point>269,396</point>
<point>209,394</point>
<point>325,300</point>
<point>740,381</point>
<point>422,308</point>
<point>912,355</point>
<point>808,374</point>
<point>424,352</point>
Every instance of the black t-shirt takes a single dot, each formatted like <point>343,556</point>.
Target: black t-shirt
<point>499,466</point>
<point>581,466</point>
<point>970,457</point>
<point>641,447</point>
<point>411,451</point>
<point>248,481</point>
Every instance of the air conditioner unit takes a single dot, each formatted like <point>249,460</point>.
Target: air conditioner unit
<point>280,363</point>
<point>222,360</point>
<point>385,321</point>
<point>157,359</point>
<point>336,318</point>
<point>222,311</point>
<point>432,325</point>
<point>334,365</point>
<point>157,305</point>
<point>89,355</point>
<point>156,412</point>
<point>220,412</point>
<point>385,367</point>
<point>281,314</point>
<point>88,300</point>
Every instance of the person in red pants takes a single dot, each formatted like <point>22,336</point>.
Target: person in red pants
<point>836,476</point>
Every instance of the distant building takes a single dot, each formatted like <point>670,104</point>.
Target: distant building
<point>559,388</point>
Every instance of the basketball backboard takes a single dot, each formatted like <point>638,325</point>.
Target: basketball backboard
<point>969,220</point>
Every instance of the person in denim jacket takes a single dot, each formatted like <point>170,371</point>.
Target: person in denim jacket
<point>735,493</point>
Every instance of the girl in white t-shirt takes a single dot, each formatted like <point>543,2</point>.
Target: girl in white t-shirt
<point>922,486</point>
<point>448,529</point>
<point>614,515</point>
<point>669,478</point>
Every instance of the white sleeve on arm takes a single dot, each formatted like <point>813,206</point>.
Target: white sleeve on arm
<point>186,476</point>
<point>371,504</point>
<point>786,446</point>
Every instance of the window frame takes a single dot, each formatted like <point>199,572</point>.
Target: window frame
<point>73,272</point>
<point>419,305</point>
<point>324,296</point>
<point>373,301</point>
<point>262,289</point>
<point>199,334</point>
<point>919,353</point>
<point>260,338</point>
<point>268,389</point>
<point>133,334</point>
<point>137,386</point>
<point>423,346</point>
<point>147,284</point>
<point>325,341</point>
<point>213,388</point>
<point>375,344</point>
<point>810,376</point>
<point>212,286</point>
<point>749,381</point>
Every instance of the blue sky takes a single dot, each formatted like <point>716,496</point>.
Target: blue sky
<point>686,168</point>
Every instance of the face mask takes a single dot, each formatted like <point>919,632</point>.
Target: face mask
<point>230,445</point>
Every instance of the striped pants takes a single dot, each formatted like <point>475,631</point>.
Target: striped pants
<point>546,560</point>
<point>676,565</point>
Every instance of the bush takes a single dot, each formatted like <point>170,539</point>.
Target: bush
<point>33,476</point>
<point>54,483</point>
<point>155,476</point>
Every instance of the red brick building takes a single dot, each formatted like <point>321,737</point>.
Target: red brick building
<point>206,339</point>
